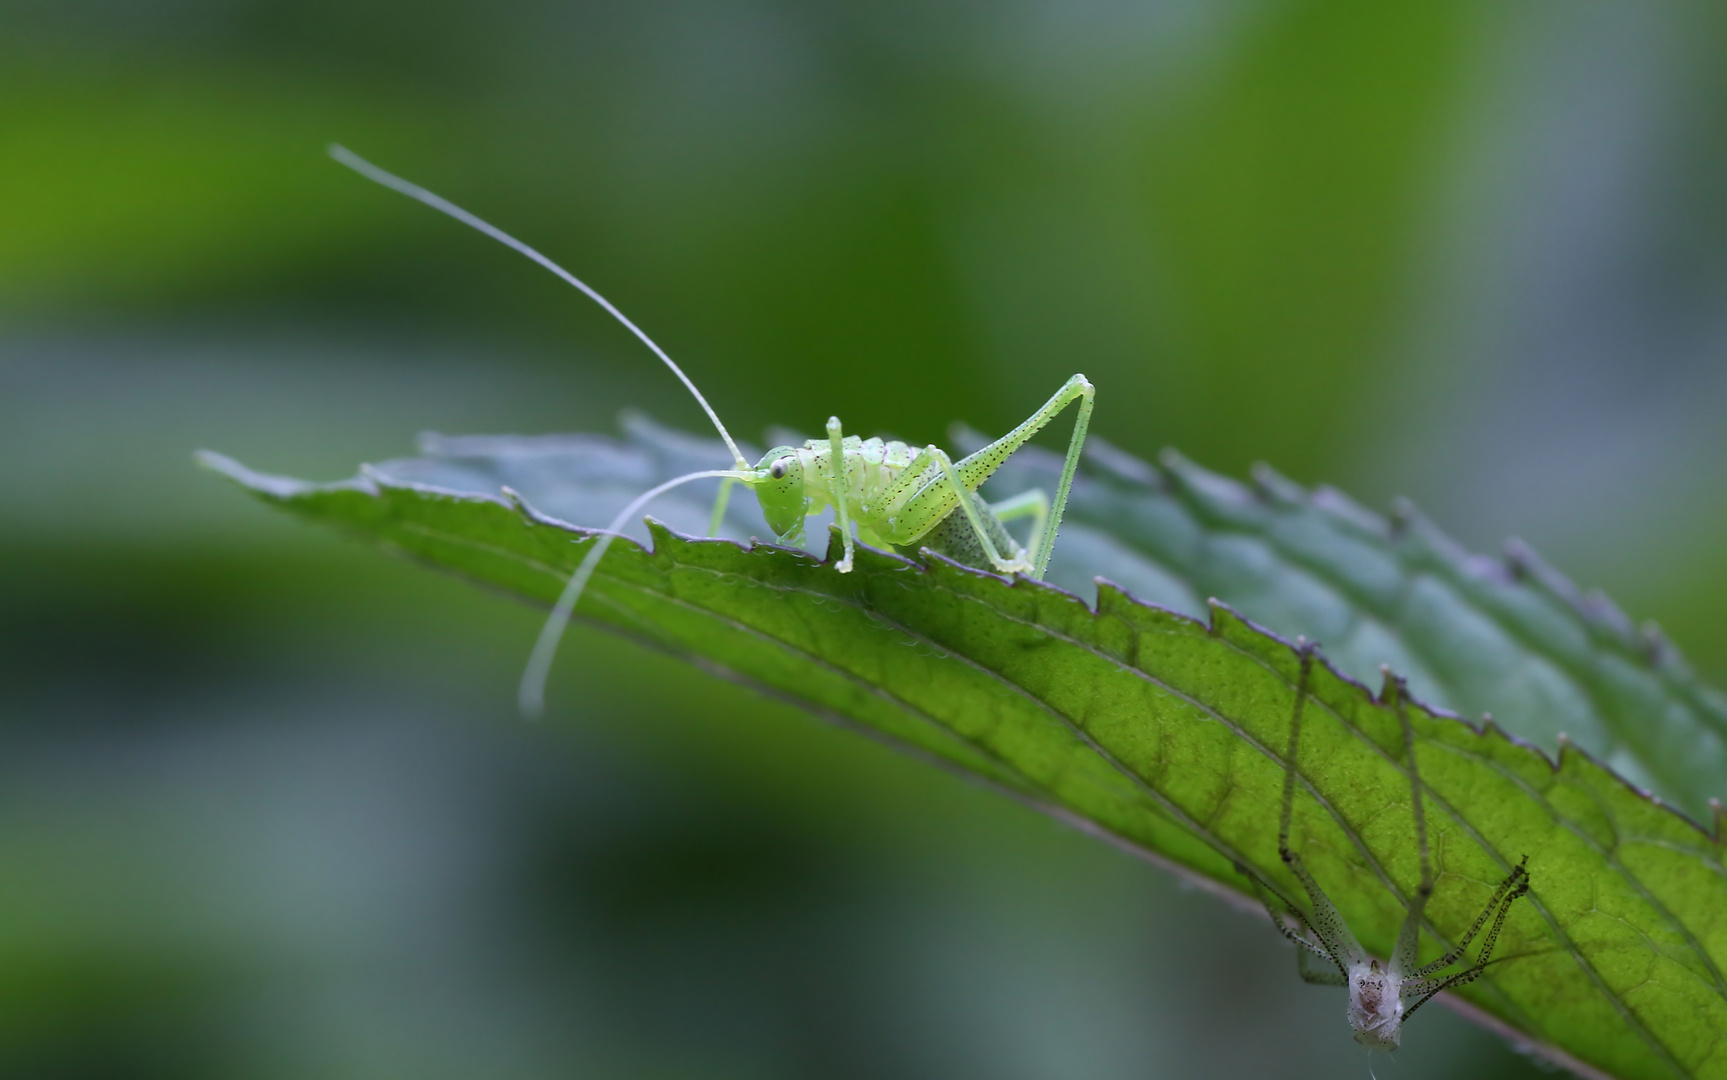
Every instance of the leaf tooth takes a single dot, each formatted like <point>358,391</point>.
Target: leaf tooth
<point>1115,601</point>
<point>1388,688</point>
<point>836,544</point>
<point>1341,508</point>
<point>865,555</point>
<point>1256,640</point>
<point>519,504</point>
<point>1600,609</point>
<point>666,543</point>
<point>533,515</point>
<point>1572,759</point>
<point>1527,565</point>
<point>1490,729</point>
<point>1398,519</point>
<point>1414,530</point>
<point>1120,464</point>
<point>1274,487</point>
<point>1659,650</point>
<point>1212,493</point>
<point>1220,614</point>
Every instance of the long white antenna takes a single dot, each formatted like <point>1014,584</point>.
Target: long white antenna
<point>414,191</point>
<point>531,698</point>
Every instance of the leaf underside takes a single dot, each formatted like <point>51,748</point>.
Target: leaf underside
<point>1139,724</point>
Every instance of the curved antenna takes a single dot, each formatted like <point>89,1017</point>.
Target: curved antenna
<point>531,698</point>
<point>414,191</point>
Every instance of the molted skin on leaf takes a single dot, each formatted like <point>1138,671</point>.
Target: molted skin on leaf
<point>1161,735</point>
<point>1375,1007</point>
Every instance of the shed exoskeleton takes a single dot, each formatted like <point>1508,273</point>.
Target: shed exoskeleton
<point>1382,996</point>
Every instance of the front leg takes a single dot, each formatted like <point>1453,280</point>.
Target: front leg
<point>718,517</point>
<point>836,443</point>
<point>1033,504</point>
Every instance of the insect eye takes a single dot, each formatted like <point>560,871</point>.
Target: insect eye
<point>778,469</point>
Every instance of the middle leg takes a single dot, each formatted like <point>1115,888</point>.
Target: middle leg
<point>945,494</point>
<point>1033,504</point>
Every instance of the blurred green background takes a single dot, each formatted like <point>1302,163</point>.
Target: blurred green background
<point>265,808</point>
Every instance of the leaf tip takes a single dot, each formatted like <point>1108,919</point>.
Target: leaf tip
<point>265,484</point>
<point>210,459</point>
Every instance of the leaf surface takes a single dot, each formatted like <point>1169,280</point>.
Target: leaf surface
<point>1511,637</point>
<point>1141,725</point>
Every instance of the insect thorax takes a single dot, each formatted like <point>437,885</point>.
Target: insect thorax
<point>872,466</point>
<point>1375,1006</point>
<point>804,477</point>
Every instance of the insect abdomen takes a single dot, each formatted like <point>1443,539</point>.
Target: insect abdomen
<point>954,537</point>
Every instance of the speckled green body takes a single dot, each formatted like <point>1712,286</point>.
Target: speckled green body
<point>905,498</point>
<point>892,509</point>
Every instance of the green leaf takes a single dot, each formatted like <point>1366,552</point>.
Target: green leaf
<point>1141,725</point>
<point>1512,637</point>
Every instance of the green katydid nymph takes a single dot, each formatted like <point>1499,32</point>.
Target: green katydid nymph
<point>889,494</point>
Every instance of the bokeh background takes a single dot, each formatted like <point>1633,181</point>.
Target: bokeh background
<point>265,809</point>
